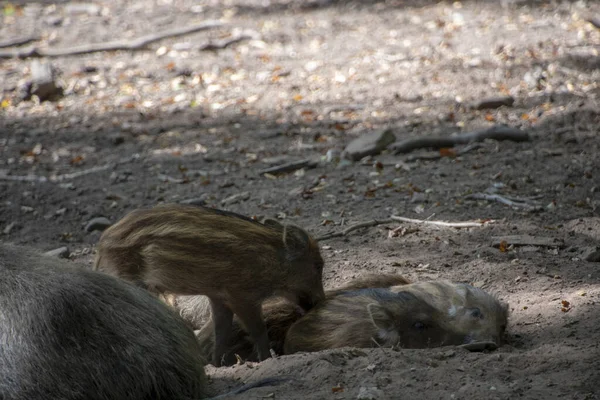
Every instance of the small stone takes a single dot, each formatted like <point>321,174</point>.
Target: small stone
<point>83,8</point>
<point>418,197</point>
<point>494,102</point>
<point>54,20</point>
<point>369,144</point>
<point>97,224</point>
<point>26,209</point>
<point>117,139</point>
<point>449,354</point>
<point>333,155</point>
<point>61,252</point>
<point>592,256</point>
<point>43,83</point>
<point>9,228</point>
<point>369,393</point>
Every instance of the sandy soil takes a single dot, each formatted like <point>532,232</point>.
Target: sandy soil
<point>174,122</point>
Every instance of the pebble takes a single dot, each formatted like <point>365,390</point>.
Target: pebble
<point>593,256</point>
<point>369,144</point>
<point>97,224</point>
<point>369,393</point>
<point>9,228</point>
<point>494,102</point>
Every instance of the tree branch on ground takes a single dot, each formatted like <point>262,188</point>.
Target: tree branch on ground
<point>354,227</point>
<point>468,224</point>
<point>135,44</point>
<point>497,132</point>
<point>224,43</point>
<point>375,222</point>
<point>504,200</point>
<point>18,41</point>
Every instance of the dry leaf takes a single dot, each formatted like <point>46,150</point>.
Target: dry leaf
<point>170,66</point>
<point>370,193</point>
<point>489,117</point>
<point>503,246</point>
<point>447,152</point>
<point>337,389</point>
<point>298,97</point>
<point>76,160</point>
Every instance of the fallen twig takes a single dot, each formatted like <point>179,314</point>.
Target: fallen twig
<point>65,177</point>
<point>135,44</point>
<point>354,227</point>
<point>438,155</point>
<point>469,224</point>
<point>526,240</point>
<point>221,44</point>
<point>289,167</point>
<point>55,178</point>
<point>497,132</point>
<point>18,41</point>
<point>503,200</point>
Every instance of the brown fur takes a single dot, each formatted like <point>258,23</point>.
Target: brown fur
<point>425,314</point>
<point>367,318</point>
<point>279,315</point>
<point>471,313</point>
<point>235,261</point>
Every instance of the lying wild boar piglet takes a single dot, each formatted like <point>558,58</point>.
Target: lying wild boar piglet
<point>233,260</point>
<point>68,333</point>
<point>471,313</point>
<point>367,318</point>
<point>279,315</point>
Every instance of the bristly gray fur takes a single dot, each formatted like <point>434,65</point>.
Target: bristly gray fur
<point>68,333</point>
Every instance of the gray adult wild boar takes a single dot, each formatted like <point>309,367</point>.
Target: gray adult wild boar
<point>73,334</point>
<point>233,260</point>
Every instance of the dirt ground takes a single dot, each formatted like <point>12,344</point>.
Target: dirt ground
<point>177,121</point>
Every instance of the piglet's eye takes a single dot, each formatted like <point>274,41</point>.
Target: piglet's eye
<point>476,313</point>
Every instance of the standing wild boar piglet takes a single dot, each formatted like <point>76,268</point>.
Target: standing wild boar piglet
<point>73,334</point>
<point>233,260</point>
<point>367,318</point>
<point>471,313</point>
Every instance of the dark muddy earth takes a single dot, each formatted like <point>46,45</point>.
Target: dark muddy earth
<point>199,118</point>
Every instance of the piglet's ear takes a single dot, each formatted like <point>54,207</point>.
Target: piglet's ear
<point>380,317</point>
<point>296,241</point>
